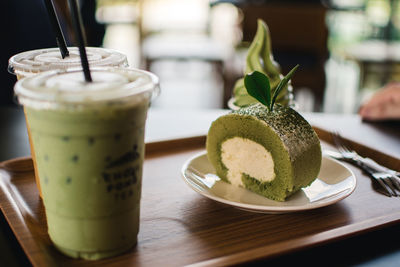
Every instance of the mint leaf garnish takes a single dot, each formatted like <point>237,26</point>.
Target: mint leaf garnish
<point>258,86</point>
<point>282,84</point>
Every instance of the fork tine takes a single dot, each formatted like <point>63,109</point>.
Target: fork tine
<point>396,182</point>
<point>336,141</point>
<point>384,187</point>
<point>339,142</point>
<point>388,182</point>
<point>384,180</point>
<point>335,138</point>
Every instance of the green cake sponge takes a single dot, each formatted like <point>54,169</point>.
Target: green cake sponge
<point>273,153</point>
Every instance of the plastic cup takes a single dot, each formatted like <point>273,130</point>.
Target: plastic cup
<point>36,61</point>
<point>33,62</point>
<point>89,145</point>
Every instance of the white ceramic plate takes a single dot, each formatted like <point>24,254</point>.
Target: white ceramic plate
<point>334,183</point>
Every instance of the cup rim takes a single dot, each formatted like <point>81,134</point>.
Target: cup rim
<point>32,92</point>
<point>16,67</point>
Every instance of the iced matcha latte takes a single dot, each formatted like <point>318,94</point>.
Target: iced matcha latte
<point>36,61</point>
<point>89,144</point>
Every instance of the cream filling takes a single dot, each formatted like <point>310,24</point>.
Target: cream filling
<point>244,156</point>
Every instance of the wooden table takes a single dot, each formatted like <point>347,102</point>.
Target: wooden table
<point>368,243</point>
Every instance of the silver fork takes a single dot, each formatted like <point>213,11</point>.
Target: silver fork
<point>351,155</point>
<point>386,178</point>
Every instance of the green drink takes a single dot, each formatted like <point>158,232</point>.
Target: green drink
<point>33,62</point>
<point>89,145</point>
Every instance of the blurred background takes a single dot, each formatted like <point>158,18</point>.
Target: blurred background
<point>347,49</point>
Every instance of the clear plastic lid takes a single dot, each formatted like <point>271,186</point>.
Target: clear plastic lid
<point>36,61</point>
<point>68,89</point>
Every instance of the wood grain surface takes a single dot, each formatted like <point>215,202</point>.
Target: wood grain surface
<point>180,227</point>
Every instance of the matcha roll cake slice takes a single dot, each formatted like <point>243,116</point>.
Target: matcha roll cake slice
<point>272,151</point>
<point>273,154</point>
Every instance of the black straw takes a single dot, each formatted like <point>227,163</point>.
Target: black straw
<point>77,23</point>
<point>57,28</point>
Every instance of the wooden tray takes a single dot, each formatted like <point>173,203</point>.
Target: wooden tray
<point>182,227</point>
